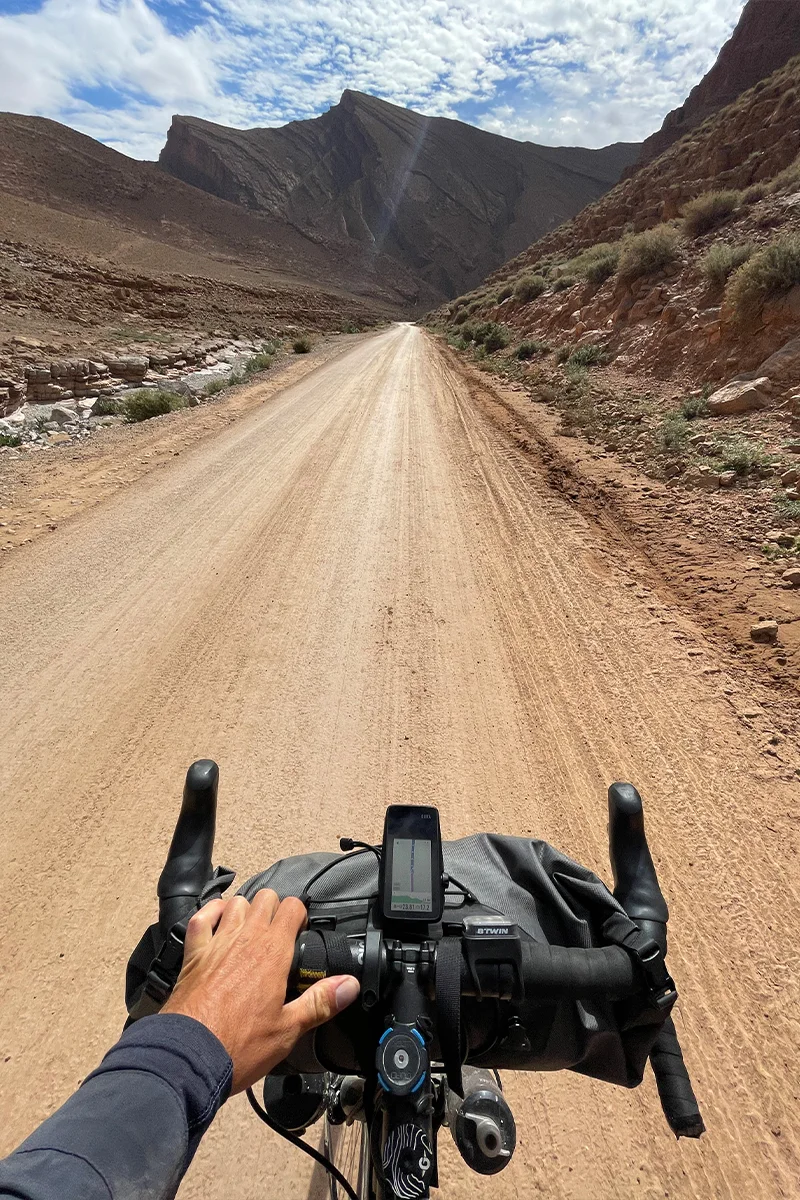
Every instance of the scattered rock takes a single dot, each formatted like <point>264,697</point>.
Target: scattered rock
<point>765,632</point>
<point>792,577</point>
<point>779,537</point>
<point>784,364</point>
<point>739,396</point>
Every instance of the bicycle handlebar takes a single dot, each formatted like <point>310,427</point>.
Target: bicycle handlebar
<point>547,972</point>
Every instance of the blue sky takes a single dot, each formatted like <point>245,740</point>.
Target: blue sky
<point>559,72</point>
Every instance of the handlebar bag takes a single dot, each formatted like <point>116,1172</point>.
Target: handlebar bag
<point>550,898</point>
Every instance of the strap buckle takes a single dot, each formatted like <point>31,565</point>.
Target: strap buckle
<point>660,984</point>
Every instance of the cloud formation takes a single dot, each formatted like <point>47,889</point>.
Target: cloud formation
<point>574,72</point>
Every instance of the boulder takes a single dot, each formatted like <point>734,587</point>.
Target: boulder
<point>739,396</point>
<point>63,414</point>
<point>784,364</point>
<point>765,631</point>
<point>792,577</point>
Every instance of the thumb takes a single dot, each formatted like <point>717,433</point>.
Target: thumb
<point>322,1001</point>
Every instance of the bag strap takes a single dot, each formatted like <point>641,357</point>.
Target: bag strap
<point>448,1009</point>
<point>620,930</point>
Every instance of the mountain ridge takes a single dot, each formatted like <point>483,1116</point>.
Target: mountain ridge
<point>365,170</point>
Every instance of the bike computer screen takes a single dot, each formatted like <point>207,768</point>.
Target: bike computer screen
<point>411,864</point>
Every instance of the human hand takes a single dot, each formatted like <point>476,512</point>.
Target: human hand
<point>236,963</point>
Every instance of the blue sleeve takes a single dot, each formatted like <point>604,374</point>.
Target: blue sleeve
<point>131,1129</point>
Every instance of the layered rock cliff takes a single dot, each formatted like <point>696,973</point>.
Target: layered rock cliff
<point>445,200</point>
<point>767,36</point>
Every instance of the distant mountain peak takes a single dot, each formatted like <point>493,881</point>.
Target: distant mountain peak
<point>449,207</point>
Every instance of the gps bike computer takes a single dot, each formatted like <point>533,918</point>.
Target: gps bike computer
<point>412,866</point>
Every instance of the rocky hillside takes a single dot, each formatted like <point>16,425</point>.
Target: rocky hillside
<point>445,201</point>
<point>663,323</point>
<point>686,267</point>
<point>146,217</point>
<point>767,36</point>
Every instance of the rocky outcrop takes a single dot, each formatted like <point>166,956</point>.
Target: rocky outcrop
<point>767,36</point>
<point>444,200</point>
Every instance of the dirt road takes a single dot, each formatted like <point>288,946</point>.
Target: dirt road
<point>359,593</point>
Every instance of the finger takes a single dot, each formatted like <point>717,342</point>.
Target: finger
<point>263,907</point>
<point>322,1001</point>
<point>235,914</point>
<point>291,916</point>
<point>200,929</point>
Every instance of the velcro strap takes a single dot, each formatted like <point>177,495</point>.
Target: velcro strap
<point>448,1009</point>
<point>337,950</point>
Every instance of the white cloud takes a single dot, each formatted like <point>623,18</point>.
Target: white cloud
<point>577,71</point>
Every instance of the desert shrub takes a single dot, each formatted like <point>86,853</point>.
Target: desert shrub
<point>494,338</point>
<point>10,439</point>
<point>563,353</point>
<point>491,335</point>
<point>106,406</point>
<point>468,333</point>
<point>563,282</point>
<point>529,287</point>
<point>301,345</point>
<point>151,402</point>
<point>576,372</point>
<point>694,407</point>
<point>588,356</point>
<point>744,457</point>
<point>648,252</point>
<point>767,274</point>
<point>260,362</point>
<point>215,387</point>
<point>596,264</point>
<point>505,292</point>
<point>752,195</point>
<point>601,268</point>
<point>530,349</point>
<point>672,434</point>
<point>786,178</point>
<point>351,327</point>
<point>709,210</point>
<point>460,317</point>
<point>235,377</point>
<point>787,507</point>
<point>723,259</point>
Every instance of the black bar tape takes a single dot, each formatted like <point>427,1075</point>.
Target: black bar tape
<point>572,973</point>
<point>674,1086</point>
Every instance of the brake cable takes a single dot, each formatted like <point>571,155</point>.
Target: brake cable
<point>324,1162</point>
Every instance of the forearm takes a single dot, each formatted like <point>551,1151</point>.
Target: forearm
<point>133,1126</point>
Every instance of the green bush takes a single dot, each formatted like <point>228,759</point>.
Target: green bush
<point>767,274</point>
<point>596,264</point>
<point>648,252</point>
<point>744,457</point>
<point>576,372</point>
<point>602,268</point>
<point>786,178</point>
<point>786,506</point>
<point>588,356</point>
<point>460,317</point>
<point>563,353</point>
<point>563,282</point>
<point>491,335</point>
<point>10,439</point>
<point>672,434</point>
<point>752,195</point>
<point>301,345</point>
<point>349,327</point>
<point>530,349</point>
<point>106,406</point>
<point>709,210</point>
<point>694,407</point>
<point>215,387</point>
<point>260,362</point>
<point>529,288</point>
<point>152,402</point>
<point>468,333</point>
<point>723,259</point>
<point>505,292</point>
